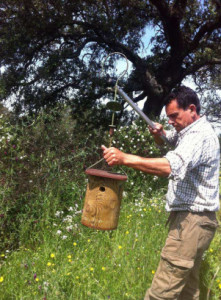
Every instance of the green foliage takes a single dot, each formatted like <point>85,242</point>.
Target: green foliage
<point>136,139</point>
<point>42,159</point>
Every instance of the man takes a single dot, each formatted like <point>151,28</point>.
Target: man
<point>192,198</point>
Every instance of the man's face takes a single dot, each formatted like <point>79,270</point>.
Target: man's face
<point>178,117</point>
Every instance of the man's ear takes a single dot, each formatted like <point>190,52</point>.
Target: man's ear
<point>192,107</point>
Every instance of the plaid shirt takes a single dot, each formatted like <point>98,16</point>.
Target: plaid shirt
<point>194,179</point>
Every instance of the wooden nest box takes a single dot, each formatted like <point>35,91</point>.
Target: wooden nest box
<point>103,199</point>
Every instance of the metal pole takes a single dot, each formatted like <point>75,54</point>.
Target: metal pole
<point>140,113</point>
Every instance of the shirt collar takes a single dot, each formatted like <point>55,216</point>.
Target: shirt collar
<point>195,124</point>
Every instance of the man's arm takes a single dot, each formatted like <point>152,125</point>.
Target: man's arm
<point>153,166</point>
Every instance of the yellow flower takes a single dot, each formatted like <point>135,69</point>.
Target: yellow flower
<point>52,255</point>
<point>70,260</point>
<point>153,272</point>
<point>127,232</point>
<point>37,279</point>
<point>103,268</point>
<point>1,279</point>
<point>75,244</point>
<point>49,264</point>
<point>2,255</point>
<point>144,209</point>
<point>119,247</point>
<point>77,277</point>
<point>69,256</point>
<point>89,240</point>
<point>211,250</point>
<point>220,286</point>
<point>91,269</point>
<point>68,274</point>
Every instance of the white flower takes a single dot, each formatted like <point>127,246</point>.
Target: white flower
<point>70,208</point>
<point>58,213</point>
<point>124,194</point>
<point>64,237</point>
<point>69,228</point>
<point>59,232</point>
<point>68,219</point>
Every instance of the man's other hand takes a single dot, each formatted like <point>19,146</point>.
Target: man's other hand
<point>113,156</point>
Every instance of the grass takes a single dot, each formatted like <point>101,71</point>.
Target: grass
<point>76,262</point>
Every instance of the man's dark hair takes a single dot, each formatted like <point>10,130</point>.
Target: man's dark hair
<point>184,96</point>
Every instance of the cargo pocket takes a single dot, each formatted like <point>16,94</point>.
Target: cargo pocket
<point>162,279</point>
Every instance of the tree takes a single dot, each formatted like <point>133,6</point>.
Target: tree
<point>52,51</point>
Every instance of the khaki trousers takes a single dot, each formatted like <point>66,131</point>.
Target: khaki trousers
<point>177,276</point>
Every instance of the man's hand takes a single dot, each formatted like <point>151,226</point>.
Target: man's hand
<point>113,156</point>
<point>157,132</point>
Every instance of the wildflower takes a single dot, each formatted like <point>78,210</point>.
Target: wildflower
<point>127,232</point>
<point>69,256</point>
<point>74,244</point>
<point>89,240</point>
<point>211,250</point>
<point>119,247</point>
<point>59,232</point>
<point>103,268</point>
<point>49,264</point>
<point>1,279</point>
<point>52,255</point>
<point>220,286</point>
<point>69,228</point>
<point>153,272</point>
<point>144,209</point>
<point>37,279</point>
<point>77,277</point>
<point>64,237</point>
<point>2,255</point>
<point>91,269</point>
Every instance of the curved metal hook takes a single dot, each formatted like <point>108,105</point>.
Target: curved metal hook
<point>127,65</point>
